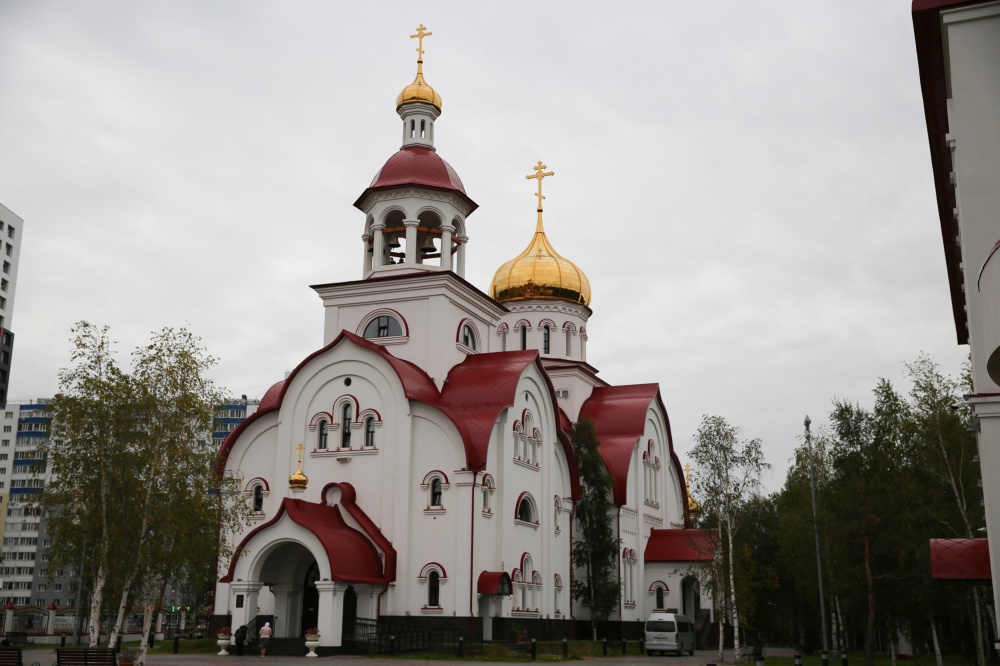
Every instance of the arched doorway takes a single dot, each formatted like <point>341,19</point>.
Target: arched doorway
<point>310,600</point>
<point>350,611</point>
<point>289,571</point>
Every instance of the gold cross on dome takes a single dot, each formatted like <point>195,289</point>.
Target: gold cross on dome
<point>421,33</point>
<point>300,449</point>
<point>540,172</point>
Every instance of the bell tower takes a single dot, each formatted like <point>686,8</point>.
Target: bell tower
<point>416,206</point>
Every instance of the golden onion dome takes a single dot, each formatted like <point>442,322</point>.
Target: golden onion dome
<point>540,272</point>
<point>419,90</point>
<point>298,480</point>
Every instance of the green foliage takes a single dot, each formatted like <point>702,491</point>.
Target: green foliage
<point>595,550</point>
<point>134,494</point>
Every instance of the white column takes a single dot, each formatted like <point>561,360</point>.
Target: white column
<point>367,261</point>
<point>331,613</point>
<point>461,255</point>
<point>287,610</point>
<point>378,245</point>
<point>50,625</point>
<point>446,231</point>
<point>250,591</point>
<point>411,243</point>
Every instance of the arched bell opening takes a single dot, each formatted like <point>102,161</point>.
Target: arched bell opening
<point>393,238</point>
<point>429,239</point>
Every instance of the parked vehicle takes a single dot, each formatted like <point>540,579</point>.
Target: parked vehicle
<point>669,632</point>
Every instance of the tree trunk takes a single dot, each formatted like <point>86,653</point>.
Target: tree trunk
<point>980,653</point>
<point>937,645</point>
<point>96,599</point>
<point>732,593</point>
<point>122,607</point>
<point>841,630</point>
<point>147,622</point>
<point>870,625</point>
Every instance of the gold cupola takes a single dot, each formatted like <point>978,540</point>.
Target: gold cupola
<point>540,272</point>
<point>693,507</point>
<point>419,90</point>
<point>298,480</point>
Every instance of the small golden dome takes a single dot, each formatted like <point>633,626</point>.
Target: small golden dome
<point>419,91</point>
<point>298,480</point>
<point>540,273</point>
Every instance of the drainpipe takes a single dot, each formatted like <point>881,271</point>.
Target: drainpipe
<point>472,543</point>
<point>621,608</point>
<point>378,603</point>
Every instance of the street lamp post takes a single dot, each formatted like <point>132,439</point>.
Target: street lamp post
<point>819,562</point>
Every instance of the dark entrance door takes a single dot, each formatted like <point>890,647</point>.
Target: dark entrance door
<point>310,599</point>
<point>350,611</point>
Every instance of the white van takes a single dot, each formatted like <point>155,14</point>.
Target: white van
<point>669,632</point>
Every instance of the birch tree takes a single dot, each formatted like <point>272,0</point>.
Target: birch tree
<point>729,471</point>
<point>131,455</point>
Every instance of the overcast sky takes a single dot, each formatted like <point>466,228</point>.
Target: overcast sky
<point>747,185</point>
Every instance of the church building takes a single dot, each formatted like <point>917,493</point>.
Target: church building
<point>418,467</point>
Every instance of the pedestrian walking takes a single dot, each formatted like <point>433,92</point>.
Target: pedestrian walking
<point>265,638</point>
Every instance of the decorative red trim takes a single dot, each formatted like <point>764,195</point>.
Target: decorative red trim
<point>424,571</point>
<point>426,482</point>
<point>260,479</point>
<point>658,583</point>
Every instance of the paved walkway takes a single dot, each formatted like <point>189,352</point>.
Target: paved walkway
<point>700,658</point>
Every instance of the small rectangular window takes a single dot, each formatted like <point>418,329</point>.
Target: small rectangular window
<point>10,231</point>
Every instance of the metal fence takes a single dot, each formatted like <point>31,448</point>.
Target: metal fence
<point>391,637</point>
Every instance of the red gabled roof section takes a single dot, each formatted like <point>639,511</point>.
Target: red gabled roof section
<point>619,417</point>
<point>349,500</point>
<point>416,386</point>
<point>965,560</point>
<point>477,390</point>
<point>681,546</point>
<point>352,557</point>
<point>419,166</point>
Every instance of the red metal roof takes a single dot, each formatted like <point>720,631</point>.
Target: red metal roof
<point>619,417</point>
<point>421,166</point>
<point>681,546</point>
<point>490,583</point>
<point>961,559</point>
<point>351,556</point>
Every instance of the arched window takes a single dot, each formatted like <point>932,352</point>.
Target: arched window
<point>321,433</point>
<point>524,337</point>
<point>526,509</point>
<point>436,492</point>
<point>488,488</point>
<point>569,341</point>
<point>370,433</point>
<point>258,499</point>
<point>345,426</point>
<point>555,514</point>
<point>468,336</point>
<point>546,339</point>
<point>556,599</point>
<point>659,598</point>
<point>383,326</point>
<point>434,588</point>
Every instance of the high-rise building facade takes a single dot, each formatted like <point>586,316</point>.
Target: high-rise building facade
<point>11,232</point>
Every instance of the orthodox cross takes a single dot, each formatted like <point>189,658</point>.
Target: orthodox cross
<point>540,172</point>
<point>421,33</point>
<point>300,449</point>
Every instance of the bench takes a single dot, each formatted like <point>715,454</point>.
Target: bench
<point>85,657</point>
<point>11,656</point>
